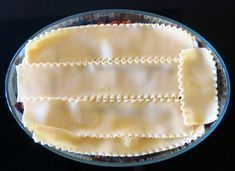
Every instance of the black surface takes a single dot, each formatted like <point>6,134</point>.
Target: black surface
<point>20,19</point>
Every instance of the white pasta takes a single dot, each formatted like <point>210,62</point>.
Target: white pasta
<point>117,90</point>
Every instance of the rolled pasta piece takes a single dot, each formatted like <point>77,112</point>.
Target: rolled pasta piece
<point>198,87</point>
<point>107,41</point>
<point>124,146</point>
<point>156,118</point>
<point>108,77</point>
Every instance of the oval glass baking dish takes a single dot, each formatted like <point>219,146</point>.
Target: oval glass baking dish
<point>130,16</point>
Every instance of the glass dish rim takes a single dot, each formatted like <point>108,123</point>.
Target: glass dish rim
<point>113,164</point>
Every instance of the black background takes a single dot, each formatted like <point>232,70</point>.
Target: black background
<point>20,19</point>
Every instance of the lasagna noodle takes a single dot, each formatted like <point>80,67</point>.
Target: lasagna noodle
<point>122,146</point>
<point>107,41</point>
<point>198,87</point>
<point>157,118</point>
<point>74,79</point>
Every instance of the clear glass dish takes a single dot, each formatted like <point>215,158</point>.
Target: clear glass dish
<point>107,16</point>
